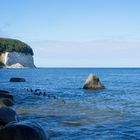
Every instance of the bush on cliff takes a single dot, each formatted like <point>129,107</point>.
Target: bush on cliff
<point>13,45</point>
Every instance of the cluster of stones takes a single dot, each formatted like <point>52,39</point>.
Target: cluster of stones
<point>10,126</point>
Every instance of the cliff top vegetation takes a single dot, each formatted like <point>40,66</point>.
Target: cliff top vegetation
<point>14,45</point>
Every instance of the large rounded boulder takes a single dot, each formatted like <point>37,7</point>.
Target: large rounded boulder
<point>4,92</point>
<point>6,102</point>
<point>93,82</point>
<point>7,96</point>
<point>22,131</point>
<point>7,115</point>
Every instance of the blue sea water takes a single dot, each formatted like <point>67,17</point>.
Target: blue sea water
<point>75,113</point>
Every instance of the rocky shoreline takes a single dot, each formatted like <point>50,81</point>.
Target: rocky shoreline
<point>12,128</point>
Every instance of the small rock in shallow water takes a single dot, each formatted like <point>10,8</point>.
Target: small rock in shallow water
<point>31,90</point>
<point>71,123</point>
<point>22,131</point>
<point>44,93</point>
<point>51,97</point>
<point>62,101</point>
<point>16,79</point>
<point>36,90</point>
<point>24,111</point>
<point>93,82</point>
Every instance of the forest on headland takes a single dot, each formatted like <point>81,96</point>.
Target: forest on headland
<point>14,45</point>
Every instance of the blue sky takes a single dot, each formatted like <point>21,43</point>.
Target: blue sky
<point>72,22</point>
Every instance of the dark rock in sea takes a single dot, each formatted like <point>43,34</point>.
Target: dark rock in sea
<point>51,97</point>
<point>71,123</point>
<point>44,93</point>
<point>7,115</point>
<point>36,90</point>
<point>16,79</point>
<point>6,102</point>
<point>93,82</point>
<point>22,131</point>
<point>63,101</point>
<point>4,92</point>
<point>31,90</point>
<point>8,96</point>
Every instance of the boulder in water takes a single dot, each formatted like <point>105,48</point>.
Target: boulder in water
<point>6,102</point>
<point>8,96</point>
<point>7,115</point>
<point>4,92</point>
<point>93,82</point>
<point>16,79</point>
<point>22,131</point>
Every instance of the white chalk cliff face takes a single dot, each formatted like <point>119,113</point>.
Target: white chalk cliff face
<point>17,60</point>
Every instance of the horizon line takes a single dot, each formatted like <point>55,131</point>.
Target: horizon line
<point>91,67</point>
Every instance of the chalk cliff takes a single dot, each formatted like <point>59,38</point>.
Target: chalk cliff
<point>17,60</point>
<point>15,54</point>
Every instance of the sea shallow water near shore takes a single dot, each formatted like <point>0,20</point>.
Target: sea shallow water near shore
<point>75,113</point>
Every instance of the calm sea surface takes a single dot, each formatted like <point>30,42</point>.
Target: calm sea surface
<point>109,114</point>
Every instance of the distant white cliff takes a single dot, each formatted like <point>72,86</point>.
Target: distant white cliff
<point>17,60</point>
<point>15,54</point>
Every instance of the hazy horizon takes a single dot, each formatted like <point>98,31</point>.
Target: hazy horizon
<point>86,54</point>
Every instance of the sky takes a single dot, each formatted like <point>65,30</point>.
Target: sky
<point>75,33</point>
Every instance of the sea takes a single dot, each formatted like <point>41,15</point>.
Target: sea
<point>55,99</point>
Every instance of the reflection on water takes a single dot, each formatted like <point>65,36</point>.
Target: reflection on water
<point>69,112</point>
